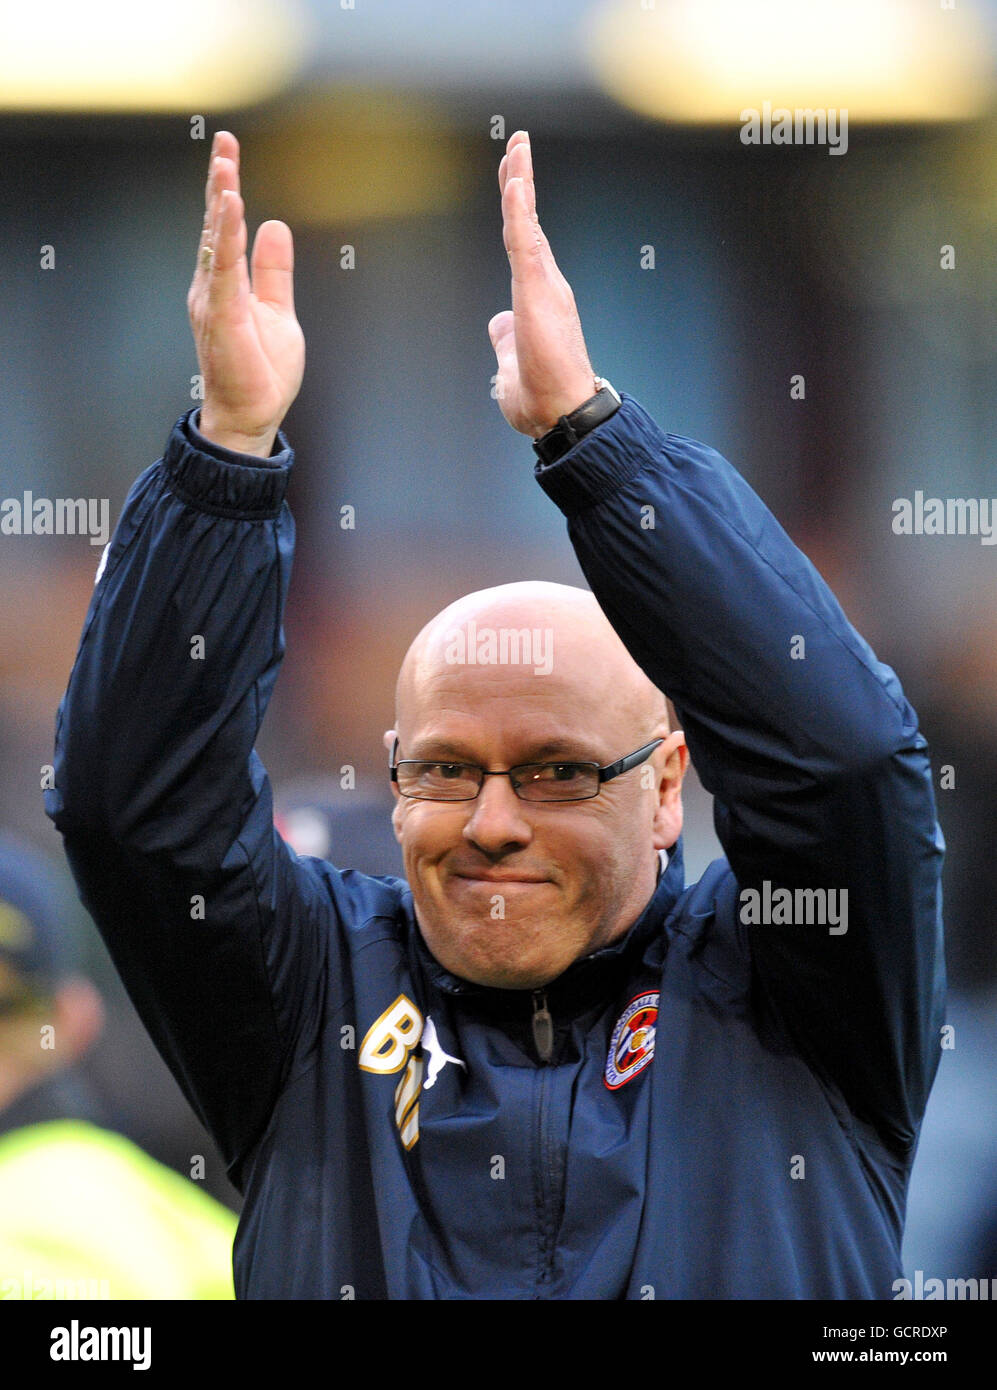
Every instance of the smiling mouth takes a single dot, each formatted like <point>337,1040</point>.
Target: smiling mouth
<point>506,882</point>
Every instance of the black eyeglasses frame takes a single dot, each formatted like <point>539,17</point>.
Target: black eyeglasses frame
<point>606,774</point>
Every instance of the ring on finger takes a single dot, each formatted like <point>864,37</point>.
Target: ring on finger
<point>206,254</point>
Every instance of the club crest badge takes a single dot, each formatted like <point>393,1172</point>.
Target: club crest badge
<point>632,1045</point>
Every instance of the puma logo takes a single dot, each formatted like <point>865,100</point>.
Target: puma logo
<point>436,1058</point>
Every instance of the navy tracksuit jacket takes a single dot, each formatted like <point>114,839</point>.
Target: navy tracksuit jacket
<point>730,1111</point>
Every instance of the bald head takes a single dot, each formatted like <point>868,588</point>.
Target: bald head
<point>530,631</point>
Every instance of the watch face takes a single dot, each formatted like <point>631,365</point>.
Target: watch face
<point>603,385</point>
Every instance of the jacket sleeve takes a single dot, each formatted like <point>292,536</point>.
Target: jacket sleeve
<point>820,776</point>
<point>220,933</point>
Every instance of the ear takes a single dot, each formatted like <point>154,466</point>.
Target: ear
<point>389,742</point>
<point>672,759</point>
<point>396,814</point>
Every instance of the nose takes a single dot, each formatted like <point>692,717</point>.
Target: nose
<point>499,820</point>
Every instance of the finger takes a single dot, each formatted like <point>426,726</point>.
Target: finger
<point>205,237</point>
<point>224,176</point>
<point>204,240</point>
<point>273,266</point>
<point>515,139</point>
<point>530,258</point>
<point>228,277</point>
<point>223,173</point>
<point>521,166</point>
<point>203,260</point>
<point>223,146</point>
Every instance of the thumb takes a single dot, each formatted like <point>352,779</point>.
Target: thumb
<point>500,327</point>
<point>502,335</point>
<point>273,266</point>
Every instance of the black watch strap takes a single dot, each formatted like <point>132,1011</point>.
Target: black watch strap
<point>571,428</point>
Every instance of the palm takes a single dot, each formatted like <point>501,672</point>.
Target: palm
<point>254,369</point>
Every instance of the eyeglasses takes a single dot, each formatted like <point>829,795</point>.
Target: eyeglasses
<point>435,781</point>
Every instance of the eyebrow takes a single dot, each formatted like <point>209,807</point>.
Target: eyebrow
<point>553,749</point>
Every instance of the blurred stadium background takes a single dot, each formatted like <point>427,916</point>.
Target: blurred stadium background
<point>378,127</point>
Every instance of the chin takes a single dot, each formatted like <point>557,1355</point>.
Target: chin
<point>501,975</point>
<point>504,980</point>
<point>513,952</point>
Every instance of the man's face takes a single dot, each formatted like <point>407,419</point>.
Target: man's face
<point>509,892</point>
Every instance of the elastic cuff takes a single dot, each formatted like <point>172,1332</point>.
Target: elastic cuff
<point>222,482</point>
<point>604,460</point>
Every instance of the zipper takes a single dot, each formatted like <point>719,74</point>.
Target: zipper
<point>548,1185</point>
<point>543,1026</point>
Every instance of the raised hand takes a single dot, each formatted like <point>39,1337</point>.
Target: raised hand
<point>543,366</point>
<point>250,346</point>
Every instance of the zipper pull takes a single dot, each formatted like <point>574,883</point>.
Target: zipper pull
<point>543,1026</point>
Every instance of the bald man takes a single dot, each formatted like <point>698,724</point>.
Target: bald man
<point>569,883</point>
<point>541,1065</point>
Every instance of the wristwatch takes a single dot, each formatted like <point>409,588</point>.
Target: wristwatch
<point>571,428</point>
